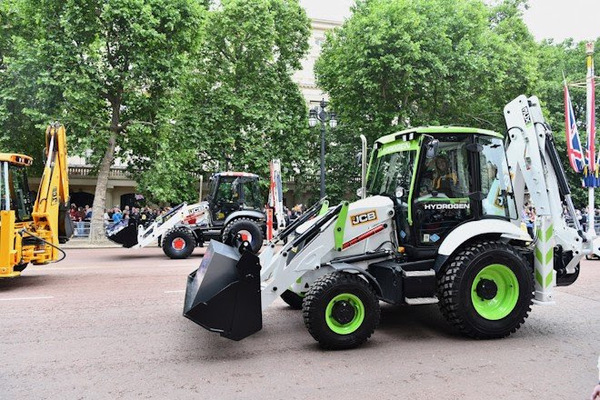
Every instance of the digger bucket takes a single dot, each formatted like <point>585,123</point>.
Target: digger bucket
<point>125,235</point>
<point>223,294</point>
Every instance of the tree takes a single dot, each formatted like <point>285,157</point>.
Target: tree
<point>242,106</point>
<point>554,60</point>
<point>105,68</point>
<point>423,62</point>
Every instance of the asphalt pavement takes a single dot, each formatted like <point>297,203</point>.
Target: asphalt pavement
<point>107,323</point>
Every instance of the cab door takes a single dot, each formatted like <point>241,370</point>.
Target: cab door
<point>441,199</point>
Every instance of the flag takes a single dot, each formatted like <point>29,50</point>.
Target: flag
<point>574,150</point>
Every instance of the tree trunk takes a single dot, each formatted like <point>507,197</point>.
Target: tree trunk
<point>97,226</point>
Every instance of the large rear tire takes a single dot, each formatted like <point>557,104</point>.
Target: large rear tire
<point>178,243</point>
<point>242,229</point>
<point>341,311</point>
<point>486,291</point>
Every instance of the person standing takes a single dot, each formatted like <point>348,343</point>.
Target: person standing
<point>117,216</point>
<point>80,217</point>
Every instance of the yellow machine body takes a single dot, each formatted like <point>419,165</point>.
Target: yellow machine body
<point>33,237</point>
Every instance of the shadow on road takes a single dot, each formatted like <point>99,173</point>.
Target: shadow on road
<point>26,281</point>
<point>142,256</point>
<point>407,322</point>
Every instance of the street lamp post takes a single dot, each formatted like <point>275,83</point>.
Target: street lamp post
<point>318,113</point>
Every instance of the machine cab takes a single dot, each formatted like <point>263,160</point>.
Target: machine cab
<point>439,178</point>
<point>14,189</point>
<point>233,191</point>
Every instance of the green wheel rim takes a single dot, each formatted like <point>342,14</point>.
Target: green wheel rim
<point>352,326</point>
<point>506,297</point>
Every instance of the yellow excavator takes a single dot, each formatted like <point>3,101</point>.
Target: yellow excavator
<point>31,231</point>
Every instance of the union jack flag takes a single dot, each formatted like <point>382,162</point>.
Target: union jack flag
<point>574,150</point>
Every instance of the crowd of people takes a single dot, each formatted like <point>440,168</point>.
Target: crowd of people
<point>528,217</point>
<point>82,216</point>
<point>143,215</point>
<point>583,218</point>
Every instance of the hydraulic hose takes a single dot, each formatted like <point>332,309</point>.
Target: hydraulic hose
<point>64,255</point>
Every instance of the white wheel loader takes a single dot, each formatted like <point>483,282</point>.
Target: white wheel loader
<point>232,212</point>
<point>441,224</point>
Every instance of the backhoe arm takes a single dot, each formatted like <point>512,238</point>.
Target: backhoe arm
<point>53,193</point>
<point>534,164</point>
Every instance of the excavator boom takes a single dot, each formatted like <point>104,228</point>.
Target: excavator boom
<point>30,232</point>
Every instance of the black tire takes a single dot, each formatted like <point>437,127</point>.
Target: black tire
<point>178,243</point>
<point>355,297</point>
<point>231,231</point>
<point>292,299</point>
<point>20,267</point>
<point>503,276</point>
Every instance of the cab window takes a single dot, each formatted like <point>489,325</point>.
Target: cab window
<point>496,186</point>
<point>442,199</point>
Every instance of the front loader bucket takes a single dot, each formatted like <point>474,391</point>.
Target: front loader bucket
<point>125,235</point>
<point>223,294</point>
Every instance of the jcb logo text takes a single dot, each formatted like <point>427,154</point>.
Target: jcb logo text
<point>363,217</point>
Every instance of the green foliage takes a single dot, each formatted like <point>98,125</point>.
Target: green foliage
<point>554,60</point>
<point>437,62</point>
<point>103,68</point>
<point>242,107</point>
<point>415,63</point>
<point>185,89</point>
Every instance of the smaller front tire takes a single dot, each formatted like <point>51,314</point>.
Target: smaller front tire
<point>341,311</point>
<point>243,229</point>
<point>179,243</point>
<point>292,299</point>
<point>20,267</point>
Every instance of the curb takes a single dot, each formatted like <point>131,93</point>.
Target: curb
<point>85,244</point>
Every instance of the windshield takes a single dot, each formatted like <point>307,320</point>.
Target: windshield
<point>240,189</point>
<point>390,172</point>
<point>3,185</point>
<point>18,191</point>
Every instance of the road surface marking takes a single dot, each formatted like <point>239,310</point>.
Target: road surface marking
<point>28,298</point>
<point>174,291</point>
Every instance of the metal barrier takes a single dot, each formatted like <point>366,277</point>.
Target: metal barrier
<point>81,228</point>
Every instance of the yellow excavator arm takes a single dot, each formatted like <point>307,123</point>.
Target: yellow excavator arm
<point>31,233</point>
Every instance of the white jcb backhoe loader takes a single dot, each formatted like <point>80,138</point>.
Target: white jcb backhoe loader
<point>440,224</point>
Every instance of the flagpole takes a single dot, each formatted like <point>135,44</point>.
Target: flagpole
<point>591,135</point>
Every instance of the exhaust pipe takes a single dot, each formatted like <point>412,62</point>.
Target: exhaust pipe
<point>363,167</point>
<point>223,294</point>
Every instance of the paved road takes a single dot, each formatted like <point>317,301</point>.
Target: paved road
<point>106,323</point>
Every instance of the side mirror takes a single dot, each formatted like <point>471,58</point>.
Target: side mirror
<point>432,148</point>
<point>358,158</point>
<point>359,192</point>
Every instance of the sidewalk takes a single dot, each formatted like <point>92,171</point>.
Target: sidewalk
<point>84,243</point>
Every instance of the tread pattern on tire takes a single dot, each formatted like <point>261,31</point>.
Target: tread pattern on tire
<point>225,237</point>
<point>183,233</point>
<point>324,284</point>
<point>449,281</point>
